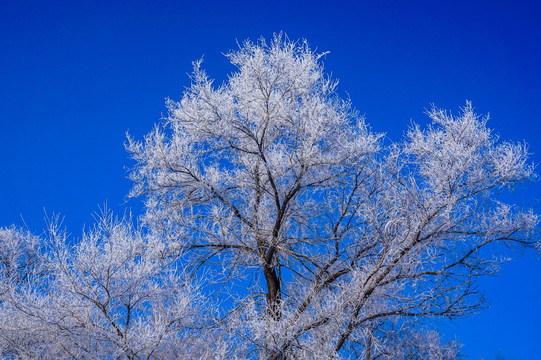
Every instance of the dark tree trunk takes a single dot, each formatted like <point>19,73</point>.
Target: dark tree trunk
<point>273,291</point>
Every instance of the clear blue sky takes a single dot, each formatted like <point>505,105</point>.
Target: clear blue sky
<point>75,75</point>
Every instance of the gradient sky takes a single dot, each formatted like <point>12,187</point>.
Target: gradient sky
<point>75,75</point>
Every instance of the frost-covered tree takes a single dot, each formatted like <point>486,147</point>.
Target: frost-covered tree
<point>323,240</point>
<point>277,226</point>
<point>111,295</point>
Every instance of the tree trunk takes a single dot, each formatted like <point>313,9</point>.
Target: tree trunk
<point>273,291</point>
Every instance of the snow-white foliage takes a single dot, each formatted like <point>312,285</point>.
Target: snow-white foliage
<point>320,240</point>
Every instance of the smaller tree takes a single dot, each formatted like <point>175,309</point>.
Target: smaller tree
<point>112,295</point>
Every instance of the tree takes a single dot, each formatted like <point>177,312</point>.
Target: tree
<point>273,181</point>
<point>319,239</point>
<point>111,296</point>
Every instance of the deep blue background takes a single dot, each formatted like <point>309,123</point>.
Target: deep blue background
<point>75,75</point>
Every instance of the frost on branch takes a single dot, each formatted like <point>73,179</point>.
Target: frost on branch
<point>460,150</point>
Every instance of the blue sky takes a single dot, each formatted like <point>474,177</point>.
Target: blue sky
<point>75,75</point>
